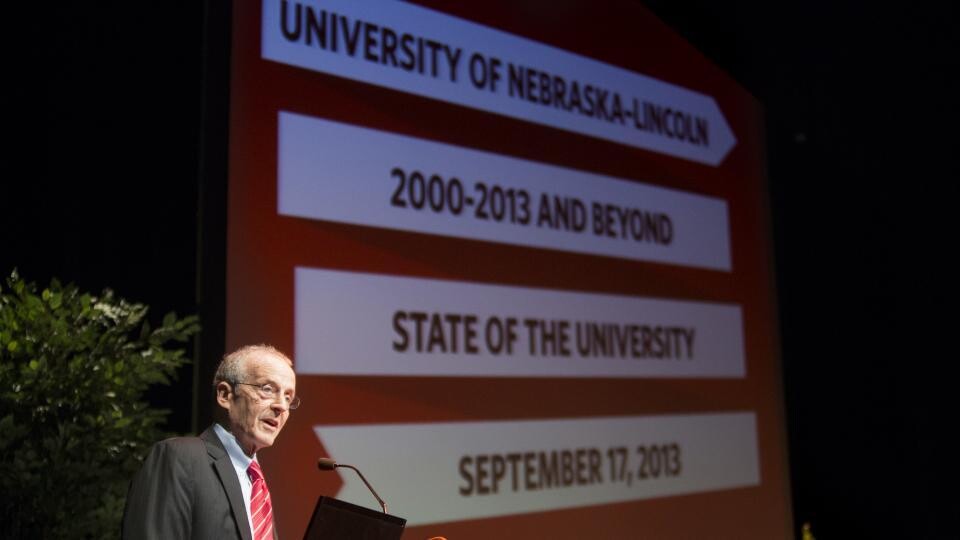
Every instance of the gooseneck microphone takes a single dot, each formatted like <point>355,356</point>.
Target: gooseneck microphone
<point>327,464</point>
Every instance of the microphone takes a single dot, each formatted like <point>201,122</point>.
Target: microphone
<point>327,464</point>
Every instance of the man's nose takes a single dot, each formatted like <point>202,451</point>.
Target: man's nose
<point>279,403</point>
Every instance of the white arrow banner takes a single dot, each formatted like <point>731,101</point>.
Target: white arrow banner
<point>413,49</point>
<point>439,472</point>
<point>354,323</point>
<point>348,174</point>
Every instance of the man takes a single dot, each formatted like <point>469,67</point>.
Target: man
<point>211,486</point>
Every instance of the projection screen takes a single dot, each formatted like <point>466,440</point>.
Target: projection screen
<point>520,253</point>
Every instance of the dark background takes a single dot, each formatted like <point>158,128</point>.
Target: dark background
<point>101,187</point>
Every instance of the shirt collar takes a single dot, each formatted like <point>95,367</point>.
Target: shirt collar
<point>240,460</point>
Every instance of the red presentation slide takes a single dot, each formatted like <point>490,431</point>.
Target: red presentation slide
<point>520,254</point>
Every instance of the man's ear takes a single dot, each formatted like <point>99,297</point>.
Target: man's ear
<point>224,394</point>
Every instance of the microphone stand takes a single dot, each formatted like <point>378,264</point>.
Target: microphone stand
<point>327,464</point>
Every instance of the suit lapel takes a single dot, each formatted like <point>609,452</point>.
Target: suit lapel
<point>228,479</point>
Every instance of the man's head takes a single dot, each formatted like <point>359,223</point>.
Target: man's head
<point>254,417</point>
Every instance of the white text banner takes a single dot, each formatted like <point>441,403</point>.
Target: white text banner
<point>475,470</point>
<point>412,49</point>
<point>349,323</point>
<point>348,174</point>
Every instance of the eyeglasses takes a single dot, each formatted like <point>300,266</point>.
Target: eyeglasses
<point>269,392</point>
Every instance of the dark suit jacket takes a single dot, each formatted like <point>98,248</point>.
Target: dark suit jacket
<point>187,488</point>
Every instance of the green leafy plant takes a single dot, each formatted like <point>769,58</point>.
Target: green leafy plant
<point>74,425</point>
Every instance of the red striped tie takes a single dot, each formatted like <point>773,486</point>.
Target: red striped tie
<point>261,511</point>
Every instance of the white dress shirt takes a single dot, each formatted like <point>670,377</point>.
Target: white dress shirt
<point>241,462</point>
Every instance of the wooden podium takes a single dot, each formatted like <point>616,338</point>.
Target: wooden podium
<point>334,519</point>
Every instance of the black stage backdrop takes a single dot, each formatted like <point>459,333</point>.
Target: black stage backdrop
<point>104,108</point>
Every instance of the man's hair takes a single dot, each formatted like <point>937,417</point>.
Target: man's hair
<point>233,368</point>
